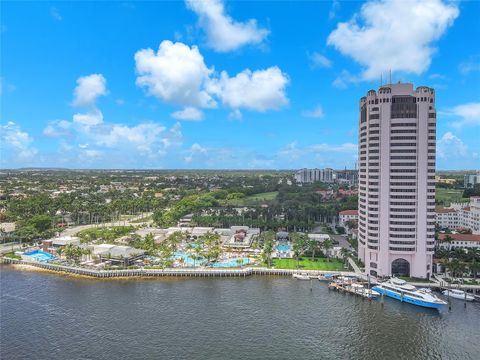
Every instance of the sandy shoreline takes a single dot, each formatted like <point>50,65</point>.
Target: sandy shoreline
<point>31,268</point>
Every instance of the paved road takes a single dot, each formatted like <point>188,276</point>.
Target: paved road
<point>9,247</point>
<point>76,229</point>
<point>342,241</point>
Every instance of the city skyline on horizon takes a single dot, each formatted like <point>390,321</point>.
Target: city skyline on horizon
<point>225,85</point>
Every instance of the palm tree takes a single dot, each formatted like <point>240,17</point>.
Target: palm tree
<point>60,252</point>
<point>298,246</point>
<point>312,247</point>
<point>327,245</point>
<point>345,254</point>
<point>267,251</point>
<point>87,252</point>
<point>175,239</point>
<point>448,239</point>
<point>474,267</point>
<point>456,267</point>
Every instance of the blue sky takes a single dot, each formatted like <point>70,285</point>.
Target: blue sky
<point>235,84</point>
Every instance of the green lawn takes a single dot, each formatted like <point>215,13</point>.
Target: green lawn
<point>12,255</point>
<point>308,264</point>
<point>108,234</point>
<point>444,197</point>
<point>255,199</point>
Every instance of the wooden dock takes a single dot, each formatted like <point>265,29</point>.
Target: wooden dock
<point>349,289</point>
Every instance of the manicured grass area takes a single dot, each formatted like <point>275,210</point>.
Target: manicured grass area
<point>255,199</point>
<point>444,197</point>
<point>308,264</point>
<point>12,255</point>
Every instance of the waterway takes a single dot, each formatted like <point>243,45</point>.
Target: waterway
<point>49,316</point>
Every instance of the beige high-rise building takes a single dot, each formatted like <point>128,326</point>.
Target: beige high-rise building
<point>396,204</point>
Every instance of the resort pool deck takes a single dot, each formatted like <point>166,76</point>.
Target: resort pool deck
<point>231,263</point>
<point>40,256</point>
<point>188,260</point>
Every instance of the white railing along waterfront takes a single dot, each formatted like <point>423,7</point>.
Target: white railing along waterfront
<point>198,272</point>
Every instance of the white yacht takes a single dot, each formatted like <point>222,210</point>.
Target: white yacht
<point>458,294</point>
<point>303,276</point>
<point>399,289</point>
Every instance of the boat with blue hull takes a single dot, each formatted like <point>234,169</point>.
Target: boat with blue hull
<point>399,289</point>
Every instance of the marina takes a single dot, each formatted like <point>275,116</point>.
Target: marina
<point>267,317</point>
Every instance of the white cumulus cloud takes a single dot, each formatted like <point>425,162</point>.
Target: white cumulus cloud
<point>176,73</point>
<point>450,147</point>
<point>88,89</point>
<point>468,113</point>
<point>57,128</point>
<point>224,33</point>
<point>258,90</point>
<point>16,143</point>
<point>395,35</point>
<point>196,150</point>
<point>91,118</point>
<point>189,113</point>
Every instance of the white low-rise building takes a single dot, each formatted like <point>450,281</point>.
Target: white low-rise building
<point>117,253</point>
<point>346,215</point>
<point>452,241</point>
<point>66,240</point>
<point>460,216</point>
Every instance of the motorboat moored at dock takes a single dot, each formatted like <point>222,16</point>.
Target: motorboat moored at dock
<point>302,276</point>
<point>398,289</point>
<point>327,277</point>
<point>458,294</point>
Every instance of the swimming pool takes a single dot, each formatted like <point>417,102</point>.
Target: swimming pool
<point>40,256</point>
<point>283,248</point>
<point>188,260</point>
<point>231,263</point>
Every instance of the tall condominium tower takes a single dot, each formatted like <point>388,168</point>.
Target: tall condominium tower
<point>396,203</point>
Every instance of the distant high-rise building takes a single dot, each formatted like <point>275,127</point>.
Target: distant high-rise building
<point>347,177</point>
<point>305,176</point>
<point>396,202</point>
<point>470,180</point>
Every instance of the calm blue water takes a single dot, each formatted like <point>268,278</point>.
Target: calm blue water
<point>283,247</point>
<point>40,256</point>
<point>46,316</point>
